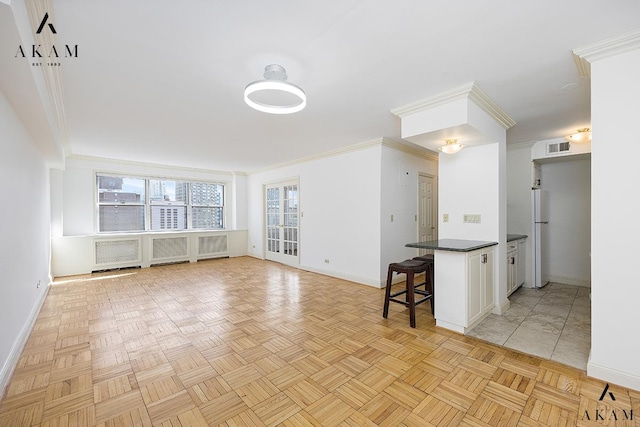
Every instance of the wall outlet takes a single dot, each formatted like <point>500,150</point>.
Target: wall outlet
<point>326,261</point>
<point>445,217</point>
<point>38,285</point>
<point>391,217</point>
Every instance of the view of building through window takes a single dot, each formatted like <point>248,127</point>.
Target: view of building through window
<point>170,205</point>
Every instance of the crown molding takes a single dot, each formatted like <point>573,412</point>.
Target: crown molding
<point>490,107</point>
<point>410,149</point>
<point>468,90</point>
<point>443,98</point>
<point>52,81</point>
<point>331,153</point>
<point>81,158</point>
<point>584,56</point>
<point>400,146</point>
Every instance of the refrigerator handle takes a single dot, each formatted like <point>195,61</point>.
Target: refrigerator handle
<point>541,222</point>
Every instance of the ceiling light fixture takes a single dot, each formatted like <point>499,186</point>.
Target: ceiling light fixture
<point>451,146</point>
<point>583,135</point>
<point>273,94</point>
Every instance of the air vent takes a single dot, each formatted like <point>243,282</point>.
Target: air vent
<point>558,148</point>
<point>117,252</point>
<point>169,248</point>
<point>212,245</point>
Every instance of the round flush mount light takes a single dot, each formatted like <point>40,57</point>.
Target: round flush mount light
<point>582,135</point>
<point>451,146</point>
<point>274,95</point>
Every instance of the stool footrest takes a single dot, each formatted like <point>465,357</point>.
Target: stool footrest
<point>406,304</point>
<point>417,291</point>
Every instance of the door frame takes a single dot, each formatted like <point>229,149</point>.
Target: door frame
<point>435,203</point>
<point>281,181</point>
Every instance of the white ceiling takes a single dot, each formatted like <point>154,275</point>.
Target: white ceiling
<point>162,81</point>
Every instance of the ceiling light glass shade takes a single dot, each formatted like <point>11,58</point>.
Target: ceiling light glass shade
<point>583,135</point>
<point>274,95</point>
<point>451,146</point>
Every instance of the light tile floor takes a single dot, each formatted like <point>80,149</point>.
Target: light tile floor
<point>553,322</point>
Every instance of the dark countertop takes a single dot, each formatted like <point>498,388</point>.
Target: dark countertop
<point>512,237</point>
<point>452,245</point>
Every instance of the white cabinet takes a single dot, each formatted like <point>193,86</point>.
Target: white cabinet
<point>464,285</point>
<point>479,284</point>
<point>512,267</point>
<point>516,264</point>
<point>522,262</point>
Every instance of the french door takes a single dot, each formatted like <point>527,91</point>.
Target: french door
<point>282,222</point>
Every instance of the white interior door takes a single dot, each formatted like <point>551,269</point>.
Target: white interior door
<point>427,210</point>
<point>282,222</point>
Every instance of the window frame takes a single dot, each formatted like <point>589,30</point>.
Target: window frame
<point>147,205</point>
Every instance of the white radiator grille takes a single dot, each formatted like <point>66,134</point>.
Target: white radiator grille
<point>212,245</point>
<point>170,248</point>
<point>117,251</point>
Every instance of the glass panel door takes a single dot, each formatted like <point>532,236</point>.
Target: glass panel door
<point>282,222</point>
<point>273,220</point>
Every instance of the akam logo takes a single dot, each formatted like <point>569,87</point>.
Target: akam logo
<point>50,54</point>
<point>44,20</point>
<point>607,413</point>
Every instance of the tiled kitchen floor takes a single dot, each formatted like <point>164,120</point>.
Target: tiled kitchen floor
<point>553,322</point>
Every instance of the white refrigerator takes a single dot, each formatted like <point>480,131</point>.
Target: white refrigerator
<point>540,202</point>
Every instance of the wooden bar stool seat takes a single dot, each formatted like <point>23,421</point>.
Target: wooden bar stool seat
<point>410,267</point>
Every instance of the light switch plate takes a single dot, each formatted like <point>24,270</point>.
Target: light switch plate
<point>471,218</point>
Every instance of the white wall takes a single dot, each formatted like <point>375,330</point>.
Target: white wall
<point>340,208</point>
<point>615,108</point>
<point>519,216</point>
<point>468,184</point>
<point>473,181</point>
<point>25,238</point>
<point>399,197</point>
<point>569,186</point>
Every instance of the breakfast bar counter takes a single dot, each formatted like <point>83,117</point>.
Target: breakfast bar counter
<point>464,281</point>
<point>452,245</point>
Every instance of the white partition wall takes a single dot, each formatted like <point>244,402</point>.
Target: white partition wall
<point>615,108</point>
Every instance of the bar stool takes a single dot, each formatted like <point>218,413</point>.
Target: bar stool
<point>410,267</point>
<point>429,280</point>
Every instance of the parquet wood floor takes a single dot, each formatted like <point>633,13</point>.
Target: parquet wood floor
<point>244,342</point>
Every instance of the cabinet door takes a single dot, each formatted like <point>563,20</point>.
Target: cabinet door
<point>474,290</point>
<point>487,284</point>
<point>522,264</point>
<point>512,276</point>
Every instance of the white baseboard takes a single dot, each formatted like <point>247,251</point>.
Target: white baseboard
<point>613,376</point>
<point>362,280</point>
<point>501,307</point>
<point>18,345</point>
<point>570,281</point>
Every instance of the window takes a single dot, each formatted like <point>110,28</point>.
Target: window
<point>207,205</point>
<point>168,201</point>
<point>121,203</point>
<point>139,204</point>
